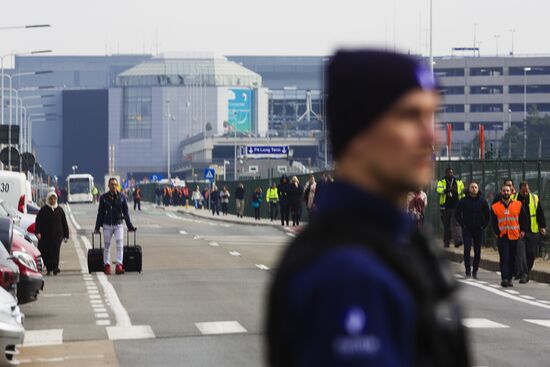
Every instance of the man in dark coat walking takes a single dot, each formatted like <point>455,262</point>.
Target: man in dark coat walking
<point>284,200</point>
<point>51,228</point>
<point>472,213</point>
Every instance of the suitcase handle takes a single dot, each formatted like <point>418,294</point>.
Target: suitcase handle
<point>93,240</point>
<point>128,238</point>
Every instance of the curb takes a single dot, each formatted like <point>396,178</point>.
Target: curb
<point>236,221</point>
<point>491,265</point>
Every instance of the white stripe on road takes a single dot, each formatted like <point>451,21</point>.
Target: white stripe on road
<point>183,232</point>
<point>504,294</point>
<point>214,244</point>
<point>220,327</point>
<point>262,267</point>
<point>103,322</point>
<point>48,295</point>
<point>512,291</point>
<point>545,323</point>
<point>291,234</point>
<point>130,332</point>
<point>76,225</point>
<point>43,337</point>
<point>235,253</point>
<point>482,324</point>
<point>527,297</point>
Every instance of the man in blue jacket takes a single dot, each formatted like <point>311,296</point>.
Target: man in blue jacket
<point>113,210</point>
<point>359,286</point>
<point>472,213</point>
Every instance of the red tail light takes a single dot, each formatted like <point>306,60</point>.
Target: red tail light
<point>30,229</point>
<point>21,205</point>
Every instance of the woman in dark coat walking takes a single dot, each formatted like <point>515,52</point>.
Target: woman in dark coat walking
<point>295,198</point>
<point>51,228</point>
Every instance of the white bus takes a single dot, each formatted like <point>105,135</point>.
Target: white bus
<point>79,187</point>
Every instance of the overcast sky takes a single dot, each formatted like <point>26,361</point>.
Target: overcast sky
<point>272,27</point>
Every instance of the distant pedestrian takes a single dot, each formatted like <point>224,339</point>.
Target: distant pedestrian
<point>416,205</point>
<point>51,229</point>
<point>284,200</point>
<point>112,211</point>
<point>158,194</point>
<point>239,200</point>
<point>509,223</point>
<point>295,195</point>
<point>309,193</point>
<point>450,190</point>
<point>137,198</point>
<point>167,196</point>
<point>272,198</point>
<point>95,194</point>
<point>206,198</point>
<point>215,201</point>
<point>224,199</point>
<point>197,197</point>
<point>257,202</point>
<point>536,227</point>
<point>185,196</point>
<point>472,213</point>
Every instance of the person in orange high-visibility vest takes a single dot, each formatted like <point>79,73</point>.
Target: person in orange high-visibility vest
<point>510,222</point>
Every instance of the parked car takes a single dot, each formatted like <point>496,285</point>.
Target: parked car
<point>24,220</point>
<point>15,189</point>
<point>12,331</point>
<point>29,260</point>
<point>9,272</point>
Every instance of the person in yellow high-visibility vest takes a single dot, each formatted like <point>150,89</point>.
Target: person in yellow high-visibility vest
<point>450,190</point>
<point>528,249</point>
<point>272,197</point>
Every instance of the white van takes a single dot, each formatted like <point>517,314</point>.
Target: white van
<point>14,189</point>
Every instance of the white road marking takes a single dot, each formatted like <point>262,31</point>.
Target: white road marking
<point>214,244</point>
<point>94,296</point>
<point>102,322</point>
<point>101,315</point>
<point>220,327</point>
<point>98,309</point>
<point>545,302</point>
<point>504,294</point>
<point>183,232</point>
<point>291,234</point>
<point>235,253</point>
<point>76,225</point>
<point>48,295</point>
<point>512,292</point>
<point>262,267</point>
<point>43,337</point>
<point>130,332</point>
<point>545,323</point>
<point>92,301</point>
<point>482,324</point>
<point>196,237</point>
<point>528,297</point>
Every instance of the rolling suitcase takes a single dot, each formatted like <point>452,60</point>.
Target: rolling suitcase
<point>132,255</point>
<point>95,256</point>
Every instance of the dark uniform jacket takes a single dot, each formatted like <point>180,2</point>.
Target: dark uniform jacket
<point>356,288</point>
<point>113,210</point>
<point>284,191</point>
<point>473,212</point>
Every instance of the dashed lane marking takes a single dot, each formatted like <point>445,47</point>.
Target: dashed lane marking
<point>214,244</point>
<point>130,332</point>
<point>43,337</point>
<point>528,297</point>
<point>291,234</point>
<point>183,232</point>
<point>473,323</point>
<point>220,327</point>
<point>52,295</point>
<point>235,253</point>
<point>262,267</point>
<point>545,323</point>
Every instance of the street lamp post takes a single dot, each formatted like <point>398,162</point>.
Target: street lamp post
<point>169,117</point>
<point>525,70</point>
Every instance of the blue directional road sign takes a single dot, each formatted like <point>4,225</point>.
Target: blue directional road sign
<point>209,174</point>
<point>267,151</point>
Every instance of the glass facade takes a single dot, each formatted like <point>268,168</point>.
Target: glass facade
<point>137,119</point>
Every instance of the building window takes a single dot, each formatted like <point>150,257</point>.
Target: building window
<point>531,89</point>
<point>452,108</point>
<point>540,107</point>
<point>535,70</point>
<point>486,107</point>
<point>448,72</point>
<point>137,119</point>
<point>488,126</point>
<point>452,90</point>
<point>496,71</point>
<point>486,89</point>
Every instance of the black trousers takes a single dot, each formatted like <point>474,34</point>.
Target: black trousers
<point>532,244</point>
<point>273,210</point>
<point>215,207</point>
<point>285,213</point>
<point>224,208</point>
<point>507,250</point>
<point>472,237</point>
<point>137,203</point>
<point>257,213</point>
<point>451,228</point>
<point>50,253</point>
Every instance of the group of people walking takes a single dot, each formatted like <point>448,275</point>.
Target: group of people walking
<point>516,218</point>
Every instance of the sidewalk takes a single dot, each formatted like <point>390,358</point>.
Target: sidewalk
<point>490,261</point>
<point>231,218</point>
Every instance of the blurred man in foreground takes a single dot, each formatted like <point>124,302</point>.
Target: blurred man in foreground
<point>359,286</point>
